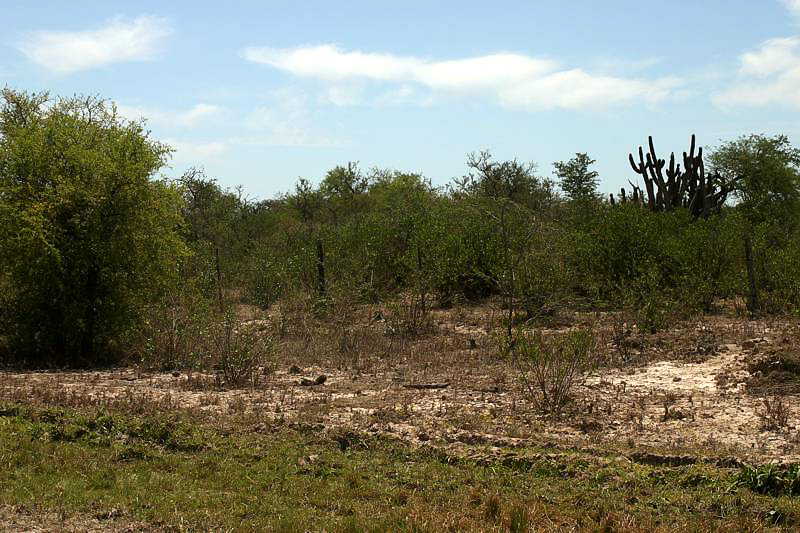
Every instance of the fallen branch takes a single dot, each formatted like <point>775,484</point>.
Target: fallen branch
<point>426,386</point>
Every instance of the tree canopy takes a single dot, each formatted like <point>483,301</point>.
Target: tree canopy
<point>575,178</point>
<point>768,173</point>
<point>87,234</point>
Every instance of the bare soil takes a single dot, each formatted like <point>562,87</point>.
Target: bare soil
<point>696,391</point>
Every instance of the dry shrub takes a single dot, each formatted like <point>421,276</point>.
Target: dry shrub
<point>410,317</point>
<point>549,367</point>
<point>241,351</point>
<point>774,414</point>
<point>174,333</point>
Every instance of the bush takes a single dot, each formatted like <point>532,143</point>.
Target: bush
<point>550,367</point>
<point>240,351</point>
<point>175,332</point>
<point>771,479</point>
<point>87,235</point>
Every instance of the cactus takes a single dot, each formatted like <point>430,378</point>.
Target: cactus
<point>690,187</point>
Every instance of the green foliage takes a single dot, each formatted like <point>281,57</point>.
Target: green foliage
<point>575,178</point>
<point>87,236</point>
<point>175,331</point>
<point>240,351</point>
<point>661,263</point>
<point>771,479</point>
<point>768,169</point>
<point>509,180</point>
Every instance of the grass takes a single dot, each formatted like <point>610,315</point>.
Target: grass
<point>166,471</point>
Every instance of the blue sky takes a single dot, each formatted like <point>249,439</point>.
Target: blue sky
<point>260,93</point>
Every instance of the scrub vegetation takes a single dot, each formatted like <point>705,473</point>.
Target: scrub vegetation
<point>512,351</point>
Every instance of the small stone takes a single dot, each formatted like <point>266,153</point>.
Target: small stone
<point>676,379</point>
<point>321,379</point>
<point>294,369</point>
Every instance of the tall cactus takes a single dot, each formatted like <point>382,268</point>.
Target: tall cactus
<point>689,188</point>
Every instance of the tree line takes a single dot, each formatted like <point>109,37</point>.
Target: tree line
<point>98,253</point>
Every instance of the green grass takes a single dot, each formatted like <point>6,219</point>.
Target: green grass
<point>162,470</point>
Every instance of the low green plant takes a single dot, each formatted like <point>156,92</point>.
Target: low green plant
<point>771,479</point>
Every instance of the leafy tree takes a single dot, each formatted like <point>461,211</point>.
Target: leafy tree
<point>575,178</point>
<point>342,189</point>
<point>509,180</point>
<point>768,170</point>
<point>87,235</point>
<point>214,228</point>
<point>305,200</point>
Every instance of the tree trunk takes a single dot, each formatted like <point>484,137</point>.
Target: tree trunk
<point>219,282</point>
<point>752,302</point>
<point>320,268</point>
<point>90,315</point>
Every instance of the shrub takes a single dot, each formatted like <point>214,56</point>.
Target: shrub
<point>87,235</point>
<point>174,333</point>
<point>549,367</point>
<point>240,351</point>
<point>771,479</point>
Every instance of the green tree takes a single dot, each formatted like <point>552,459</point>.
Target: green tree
<point>768,174</point>
<point>575,178</point>
<point>87,236</point>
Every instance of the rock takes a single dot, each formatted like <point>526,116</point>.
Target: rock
<point>294,369</point>
<point>305,382</point>
<point>176,374</point>
<point>321,379</point>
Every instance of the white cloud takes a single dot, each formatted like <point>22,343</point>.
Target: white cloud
<point>196,152</point>
<point>768,76</point>
<point>190,117</point>
<point>341,95</point>
<point>119,39</point>
<point>329,62</point>
<point>284,122</point>
<point>775,56</point>
<point>573,89</point>
<point>793,6</point>
<point>197,114</point>
<point>514,79</point>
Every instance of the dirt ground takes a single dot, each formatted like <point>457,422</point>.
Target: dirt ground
<point>679,395</point>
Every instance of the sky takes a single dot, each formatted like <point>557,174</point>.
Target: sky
<point>260,93</point>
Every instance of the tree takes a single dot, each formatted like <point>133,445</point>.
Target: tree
<point>87,236</point>
<point>342,188</point>
<point>509,180</point>
<point>575,178</point>
<point>768,170</point>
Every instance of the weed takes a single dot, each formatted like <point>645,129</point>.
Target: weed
<point>772,480</point>
<point>518,520</point>
<point>774,414</point>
